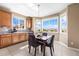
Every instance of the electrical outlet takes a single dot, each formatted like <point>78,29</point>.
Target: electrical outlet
<point>72,43</point>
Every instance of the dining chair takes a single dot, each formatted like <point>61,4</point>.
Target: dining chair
<point>50,44</point>
<point>34,43</point>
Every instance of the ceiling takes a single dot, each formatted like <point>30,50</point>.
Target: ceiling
<point>31,9</point>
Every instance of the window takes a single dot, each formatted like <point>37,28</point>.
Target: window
<point>15,22</point>
<point>63,23</point>
<point>18,22</point>
<point>38,25</point>
<point>50,24</point>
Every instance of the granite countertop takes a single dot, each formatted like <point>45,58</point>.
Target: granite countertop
<point>3,33</point>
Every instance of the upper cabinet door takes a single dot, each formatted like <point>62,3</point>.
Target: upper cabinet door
<point>29,22</point>
<point>5,18</point>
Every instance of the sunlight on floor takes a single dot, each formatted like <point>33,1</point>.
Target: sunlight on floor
<point>24,47</point>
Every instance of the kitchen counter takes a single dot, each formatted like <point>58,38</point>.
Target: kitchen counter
<point>7,39</point>
<point>3,33</point>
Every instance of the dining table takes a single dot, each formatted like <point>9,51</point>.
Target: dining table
<point>43,39</point>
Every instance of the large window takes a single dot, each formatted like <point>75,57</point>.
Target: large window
<point>53,24</point>
<point>50,24</point>
<point>18,22</point>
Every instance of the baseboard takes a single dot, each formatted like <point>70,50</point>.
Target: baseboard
<point>67,46</point>
<point>62,43</point>
<point>73,48</point>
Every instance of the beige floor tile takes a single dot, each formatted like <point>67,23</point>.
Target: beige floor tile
<point>17,50</point>
<point>21,49</point>
<point>4,52</point>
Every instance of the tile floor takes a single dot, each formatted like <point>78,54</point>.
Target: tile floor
<point>21,49</point>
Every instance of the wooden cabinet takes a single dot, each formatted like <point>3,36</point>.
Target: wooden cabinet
<point>9,39</point>
<point>22,36</point>
<point>26,36</point>
<point>15,38</point>
<point>29,22</point>
<point>5,40</point>
<point>5,19</point>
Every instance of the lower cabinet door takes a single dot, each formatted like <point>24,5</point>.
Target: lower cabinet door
<point>15,38</point>
<point>26,37</point>
<point>22,37</point>
<point>5,41</point>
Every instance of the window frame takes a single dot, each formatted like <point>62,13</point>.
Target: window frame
<point>36,20</point>
<point>20,18</point>
<point>57,24</point>
<point>62,15</point>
